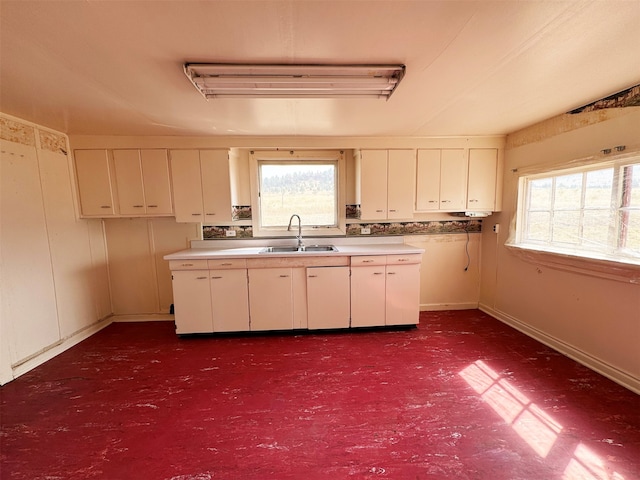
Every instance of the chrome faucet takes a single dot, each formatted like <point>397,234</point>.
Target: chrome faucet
<point>299,237</point>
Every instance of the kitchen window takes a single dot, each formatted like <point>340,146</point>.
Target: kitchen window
<point>305,183</point>
<point>592,211</point>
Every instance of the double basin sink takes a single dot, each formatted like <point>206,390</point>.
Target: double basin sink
<point>302,249</point>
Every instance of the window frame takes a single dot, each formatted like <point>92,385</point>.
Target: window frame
<point>258,157</point>
<point>612,264</point>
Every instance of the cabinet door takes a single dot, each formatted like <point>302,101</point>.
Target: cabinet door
<point>192,301</point>
<point>328,297</point>
<point>155,179</point>
<point>216,185</point>
<point>400,184</point>
<point>187,189</point>
<point>428,180</point>
<point>368,296</point>
<point>402,294</point>
<point>373,184</point>
<point>94,183</point>
<point>229,300</point>
<point>481,189</point>
<point>453,180</point>
<point>128,170</point>
<point>270,298</point>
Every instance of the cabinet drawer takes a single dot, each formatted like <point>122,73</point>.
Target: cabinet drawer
<point>368,260</point>
<point>224,263</point>
<point>404,259</point>
<point>188,265</point>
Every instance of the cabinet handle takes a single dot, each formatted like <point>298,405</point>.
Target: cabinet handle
<point>472,200</point>
<point>433,201</point>
<point>445,201</point>
<point>284,276</point>
<point>403,259</point>
<point>378,273</point>
<point>312,276</point>
<point>209,213</point>
<point>153,206</point>
<point>105,206</point>
<point>187,264</point>
<point>391,273</point>
<point>201,278</point>
<point>379,211</point>
<point>216,278</point>
<point>138,206</point>
<point>226,264</point>
<point>196,214</point>
<point>367,261</point>
<point>393,210</point>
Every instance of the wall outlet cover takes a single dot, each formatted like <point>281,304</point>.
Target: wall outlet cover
<point>365,231</point>
<point>230,233</point>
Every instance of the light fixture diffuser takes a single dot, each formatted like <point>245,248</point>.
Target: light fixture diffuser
<point>216,80</point>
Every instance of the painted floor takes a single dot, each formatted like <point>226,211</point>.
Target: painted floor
<point>461,396</point>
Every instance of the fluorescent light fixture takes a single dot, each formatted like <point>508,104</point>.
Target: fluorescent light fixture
<point>215,80</point>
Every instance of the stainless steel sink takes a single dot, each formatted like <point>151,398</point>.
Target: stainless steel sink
<point>306,248</point>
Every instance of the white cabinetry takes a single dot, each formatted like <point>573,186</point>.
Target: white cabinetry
<point>385,290</point>
<point>368,291</point>
<point>142,179</point>
<point>192,300</point>
<point>271,298</point>
<point>328,297</point>
<point>93,171</point>
<point>229,296</point>
<point>483,175</point>
<point>386,184</point>
<point>441,180</point>
<point>201,186</point>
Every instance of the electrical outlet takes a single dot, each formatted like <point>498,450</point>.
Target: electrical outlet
<point>496,228</point>
<point>365,231</point>
<point>230,233</point>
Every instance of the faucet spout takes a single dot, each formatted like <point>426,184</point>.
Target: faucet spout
<point>299,236</point>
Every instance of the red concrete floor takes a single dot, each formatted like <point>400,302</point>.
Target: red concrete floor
<point>461,396</point>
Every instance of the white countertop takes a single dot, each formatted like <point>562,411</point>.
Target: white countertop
<point>351,249</point>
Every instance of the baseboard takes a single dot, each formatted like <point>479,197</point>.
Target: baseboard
<point>57,348</point>
<point>434,307</point>
<point>150,317</point>
<point>603,368</point>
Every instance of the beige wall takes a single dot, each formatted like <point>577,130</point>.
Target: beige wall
<point>593,319</point>
<point>53,276</point>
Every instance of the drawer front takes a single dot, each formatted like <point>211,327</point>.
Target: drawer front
<point>188,265</point>
<point>368,260</point>
<point>404,259</point>
<point>224,263</point>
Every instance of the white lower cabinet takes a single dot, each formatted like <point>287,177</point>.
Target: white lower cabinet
<point>402,294</point>
<point>229,300</point>
<point>328,297</point>
<point>192,301</point>
<point>385,290</point>
<point>271,298</point>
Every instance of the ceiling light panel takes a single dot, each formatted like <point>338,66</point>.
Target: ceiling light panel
<point>294,81</point>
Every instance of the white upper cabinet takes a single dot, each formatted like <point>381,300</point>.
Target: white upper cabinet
<point>453,180</point>
<point>386,184</point>
<point>142,179</point>
<point>93,172</point>
<point>483,175</point>
<point>201,186</point>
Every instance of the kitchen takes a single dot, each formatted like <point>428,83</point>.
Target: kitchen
<point>66,274</point>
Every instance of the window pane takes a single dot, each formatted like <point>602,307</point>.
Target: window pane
<point>633,233</point>
<point>308,190</point>
<point>566,227</point>
<point>538,227</point>
<point>568,191</point>
<point>596,225</point>
<point>540,194</point>
<point>634,199</point>
<point>599,186</point>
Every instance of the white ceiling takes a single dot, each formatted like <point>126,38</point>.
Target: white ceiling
<point>473,67</point>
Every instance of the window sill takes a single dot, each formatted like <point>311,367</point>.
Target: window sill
<point>626,272</point>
